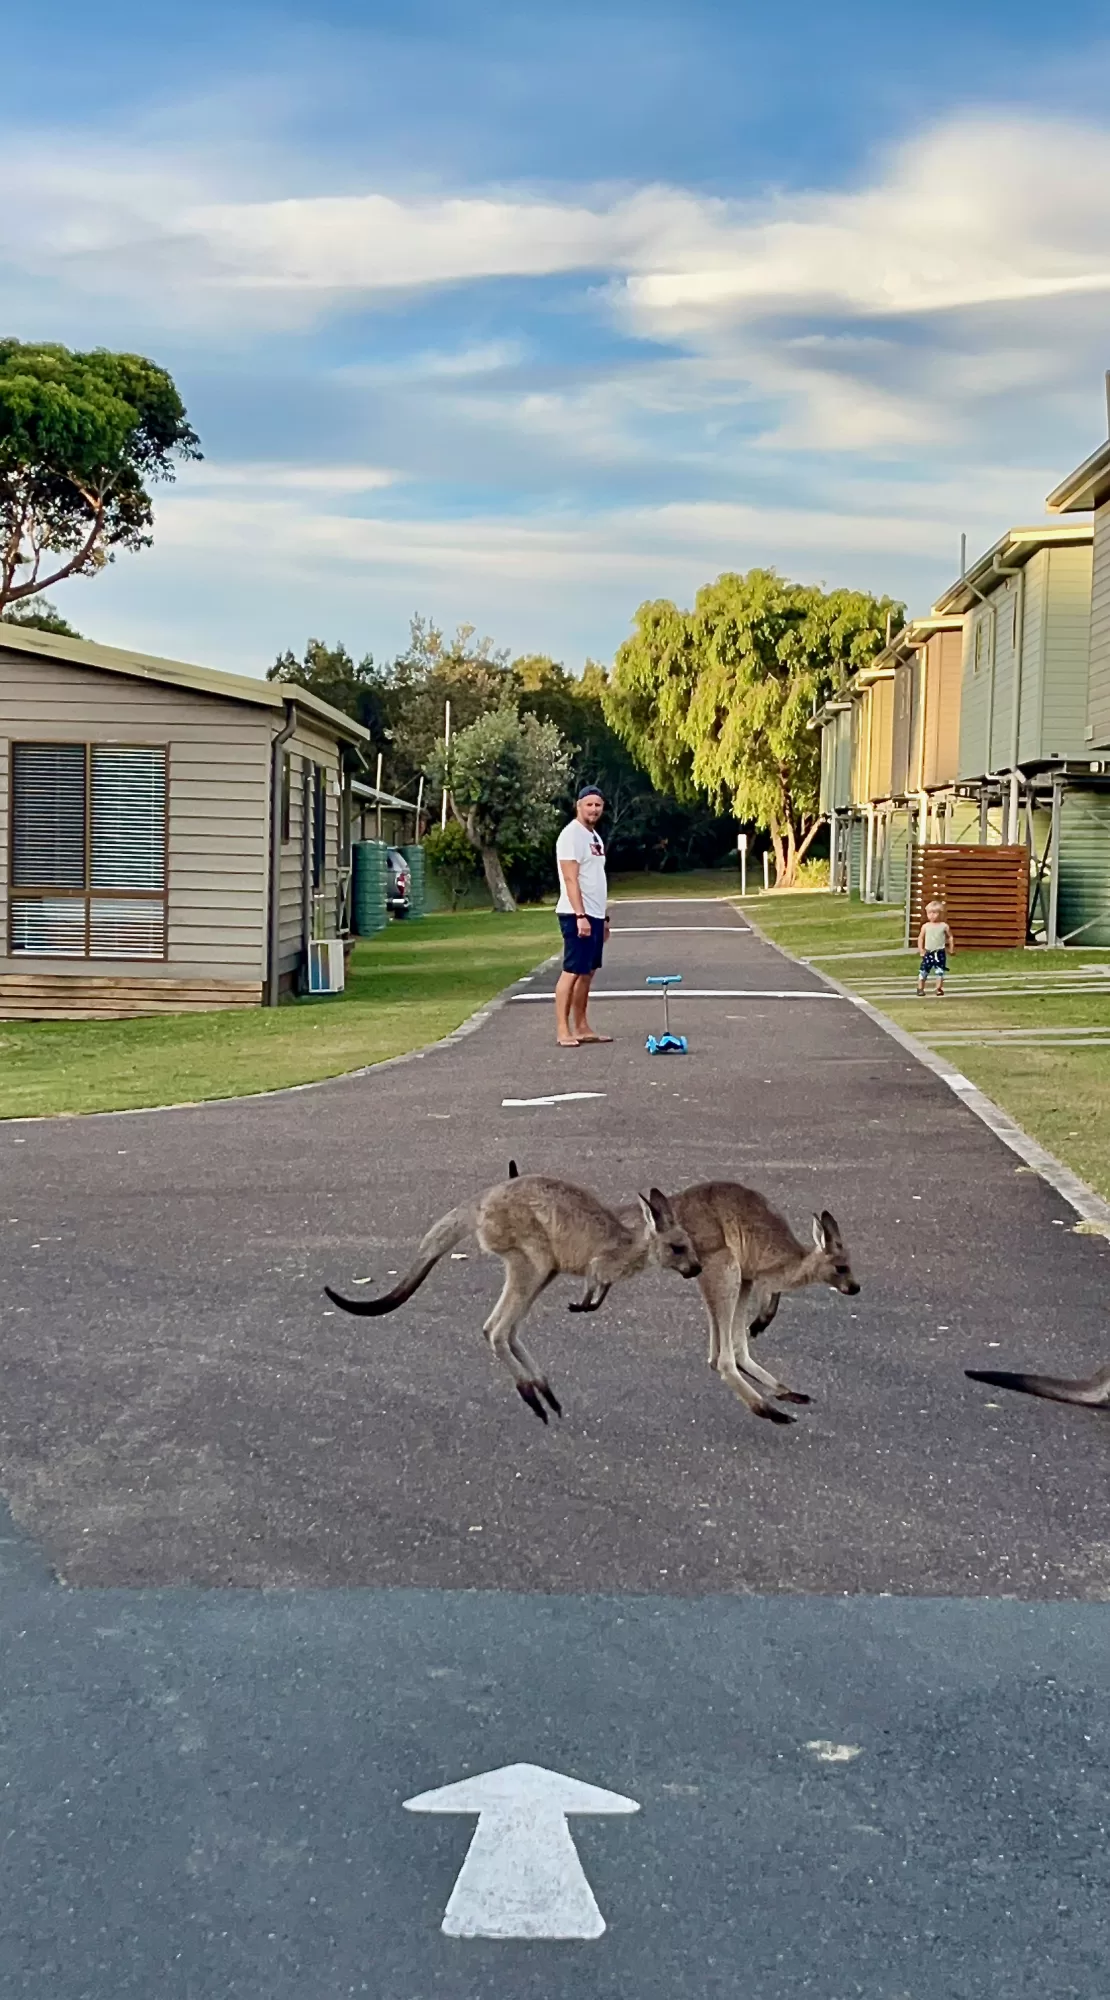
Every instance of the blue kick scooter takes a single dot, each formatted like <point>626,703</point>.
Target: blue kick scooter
<point>666,1044</point>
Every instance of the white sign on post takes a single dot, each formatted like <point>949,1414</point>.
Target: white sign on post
<point>742,850</point>
<point>522,1877</point>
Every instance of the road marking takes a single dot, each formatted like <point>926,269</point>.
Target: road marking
<point>669,930</point>
<point>564,1097</point>
<point>522,1877</point>
<point>687,993</point>
<point>833,1753</point>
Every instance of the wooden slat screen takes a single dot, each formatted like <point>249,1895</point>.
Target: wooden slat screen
<point>985,892</point>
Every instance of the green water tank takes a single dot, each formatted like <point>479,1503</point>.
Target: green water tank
<point>368,888</point>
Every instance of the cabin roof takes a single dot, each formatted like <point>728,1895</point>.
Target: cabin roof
<point>178,674</point>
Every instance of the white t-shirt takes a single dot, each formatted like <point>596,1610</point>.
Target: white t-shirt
<point>584,845</point>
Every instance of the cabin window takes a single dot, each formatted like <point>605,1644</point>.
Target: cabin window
<point>88,851</point>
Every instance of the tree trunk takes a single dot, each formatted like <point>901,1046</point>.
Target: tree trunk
<point>495,880</point>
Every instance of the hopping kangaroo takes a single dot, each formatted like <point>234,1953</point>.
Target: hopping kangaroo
<point>1093,1394</point>
<point>539,1228</point>
<point>749,1255</point>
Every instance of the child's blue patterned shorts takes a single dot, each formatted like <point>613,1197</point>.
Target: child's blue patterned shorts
<point>934,961</point>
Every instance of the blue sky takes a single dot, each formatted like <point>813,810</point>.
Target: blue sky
<point>518,317</point>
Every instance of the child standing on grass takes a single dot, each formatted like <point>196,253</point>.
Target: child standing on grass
<point>934,942</point>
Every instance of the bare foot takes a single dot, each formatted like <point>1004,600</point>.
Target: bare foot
<point>564,1043</point>
<point>589,1036</point>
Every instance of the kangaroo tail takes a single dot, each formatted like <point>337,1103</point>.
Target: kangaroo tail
<point>441,1237</point>
<point>1054,1388</point>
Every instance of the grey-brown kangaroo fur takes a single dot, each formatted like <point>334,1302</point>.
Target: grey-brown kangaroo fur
<point>749,1256</point>
<point>1093,1394</point>
<point>540,1227</point>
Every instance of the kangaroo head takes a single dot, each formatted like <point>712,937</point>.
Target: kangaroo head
<point>668,1242</point>
<point>835,1269</point>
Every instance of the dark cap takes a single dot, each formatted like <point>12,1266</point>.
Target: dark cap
<point>592,792</point>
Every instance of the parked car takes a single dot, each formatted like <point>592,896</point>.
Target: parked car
<point>398,882</point>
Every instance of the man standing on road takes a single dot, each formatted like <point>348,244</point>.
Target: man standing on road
<point>580,853</point>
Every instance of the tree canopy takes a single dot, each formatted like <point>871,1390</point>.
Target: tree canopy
<point>354,687</point>
<point>505,773</point>
<point>715,702</point>
<point>39,612</point>
<point>82,438</point>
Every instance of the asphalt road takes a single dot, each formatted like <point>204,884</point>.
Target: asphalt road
<point>863,1766</point>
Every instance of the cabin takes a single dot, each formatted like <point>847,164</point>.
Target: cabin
<point>1083,832</point>
<point>889,754</point>
<point>171,838</point>
<point>1026,606</point>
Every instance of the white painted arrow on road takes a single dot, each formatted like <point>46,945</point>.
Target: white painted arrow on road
<point>522,1877</point>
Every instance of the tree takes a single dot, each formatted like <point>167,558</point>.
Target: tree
<point>82,436</point>
<point>358,689</point>
<point>506,771</point>
<point>449,852</point>
<point>39,612</point>
<point>715,702</point>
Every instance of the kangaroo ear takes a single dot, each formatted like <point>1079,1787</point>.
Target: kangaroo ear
<point>831,1227</point>
<point>662,1213</point>
<point>648,1214</point>
<point>818,1232</point>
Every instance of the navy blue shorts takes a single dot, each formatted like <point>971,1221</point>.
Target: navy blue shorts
<point>582,954</point>
<point>934,961</point>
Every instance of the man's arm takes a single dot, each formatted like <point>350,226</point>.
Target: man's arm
<point>569,870</point>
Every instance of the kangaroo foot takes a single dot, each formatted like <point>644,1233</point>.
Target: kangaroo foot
<point>790,1396</point>
<point>586,1304</point>
<point>773,1416</point>
<point>529,1392</point>
<point>550,1398</point>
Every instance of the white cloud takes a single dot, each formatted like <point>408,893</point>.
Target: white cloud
<point>263,477</point>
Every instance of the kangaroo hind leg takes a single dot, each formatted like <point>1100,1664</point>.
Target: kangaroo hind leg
<point>725,1295</point>
<point>524,1281</point>
<point>741,1333</point>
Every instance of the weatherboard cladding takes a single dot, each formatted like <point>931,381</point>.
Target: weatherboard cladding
<point>217,805</point>
<point>1067,653</point>
<point>1085,865</point>
<point>1052,687</point>
<point>942,696</point>
<point>1098,699</point>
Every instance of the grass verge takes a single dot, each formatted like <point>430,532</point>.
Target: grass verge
<point>1007,1021</point>
<point>410,986</point>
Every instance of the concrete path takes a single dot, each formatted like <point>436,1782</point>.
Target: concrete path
<point>204,1785</point>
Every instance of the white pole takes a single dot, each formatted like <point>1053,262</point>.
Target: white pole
<point>446,755</point>
<point>766,869</point>
<point>378,789</point>
<point>743,871</point>
<point>419,806</point>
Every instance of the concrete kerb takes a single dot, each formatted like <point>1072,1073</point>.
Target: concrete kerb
<point>473,1021</point>
<point>1092,1210</point>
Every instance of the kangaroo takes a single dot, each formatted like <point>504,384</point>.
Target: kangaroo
<point>749,1256</point>
<point>767,1305</point>
<point>540,1227</point>
<point>1093,1394</point>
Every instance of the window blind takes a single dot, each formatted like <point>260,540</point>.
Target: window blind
<point>48,815</point>
<point>88,850</point>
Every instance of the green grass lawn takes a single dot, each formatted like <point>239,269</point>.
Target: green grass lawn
<point>405,988</point>
<point>1061,1094</point>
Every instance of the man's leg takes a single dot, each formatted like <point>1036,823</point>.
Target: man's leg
<point>564,991</point>
<point>579,1000</point>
